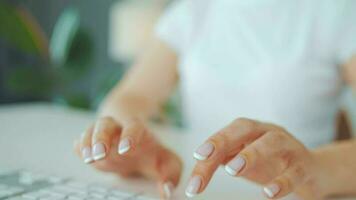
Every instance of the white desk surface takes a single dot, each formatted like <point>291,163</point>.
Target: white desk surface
<point>39,137</point>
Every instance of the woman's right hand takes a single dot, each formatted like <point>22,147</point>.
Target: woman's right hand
<point>127,148</point>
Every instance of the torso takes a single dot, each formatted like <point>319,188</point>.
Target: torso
<point>263,61</point>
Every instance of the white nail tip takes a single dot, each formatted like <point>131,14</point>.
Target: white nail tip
<point>188,194</point>
<point>199,157</point>
<point>193,186</point>
<point>230,171</point>
<point>124,146</point>
<point>268,192</point>
<point>168,189</point>
<point>99,156</point>
<point>123,150</point>
<point>88,160</point>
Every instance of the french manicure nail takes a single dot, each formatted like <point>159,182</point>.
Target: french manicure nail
<point>168,189</point>
<point>235,165</point>
<point>86,154</point>
<point>204,151</point>
<point>99,151</point>
<point>124,146</point>
<point>193,186</point>
<point>271,190</point>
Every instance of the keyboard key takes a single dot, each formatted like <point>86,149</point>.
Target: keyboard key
<point>35,186</point>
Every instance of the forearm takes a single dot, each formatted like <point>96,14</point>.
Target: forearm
<point>337,170</point>
<point>146,86</point>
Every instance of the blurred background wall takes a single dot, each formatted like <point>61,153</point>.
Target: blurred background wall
<point>90,68</point>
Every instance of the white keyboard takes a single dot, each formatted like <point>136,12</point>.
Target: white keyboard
<point>23,185</point>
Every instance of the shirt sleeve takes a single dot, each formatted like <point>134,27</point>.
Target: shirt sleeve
<point>346,38</point>
<point>174,26</point>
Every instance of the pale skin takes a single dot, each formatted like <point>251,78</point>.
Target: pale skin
<point>267,154</point>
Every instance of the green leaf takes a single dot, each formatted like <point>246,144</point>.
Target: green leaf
<point>17,28</point>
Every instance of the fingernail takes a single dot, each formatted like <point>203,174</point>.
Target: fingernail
<point>86,154</point>
<point>168,189</point>
<point>124,146</point>
<point>99,151</point>
<point>193,186</point>
<point>204,151</point>
<point>235,165</point>
<point>271,190</point>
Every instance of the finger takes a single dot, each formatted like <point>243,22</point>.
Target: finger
<point>231,139</point>
<point>104,130</point>
<point>286,183</point>
<point>219,148</point>
<point>262,153</point>
<point>201,176</point>
<point>85,146</point>
<point>166,189</point>
<point>133,133</point>
<point>204,169</point>
<point>170,168</point>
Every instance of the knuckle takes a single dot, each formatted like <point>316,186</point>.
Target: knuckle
<point>299,171</point>
<point>244,122</point>
<point>133,122</point>
<point>135,126</point>
<point>104,120</point>
<point>253,150</point>
<point>275,139</point>
<point>219,141</point>
<point>286,183</point>
<point>250,154</point>
<point>287,158</point>
<point>279,135</point>
<point>202,168</point>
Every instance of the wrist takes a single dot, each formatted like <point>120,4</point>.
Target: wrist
<point>124,107</point>
<point>322,172</point>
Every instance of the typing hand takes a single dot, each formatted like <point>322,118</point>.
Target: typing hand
<point>127,148</point>
<point>260,152</point>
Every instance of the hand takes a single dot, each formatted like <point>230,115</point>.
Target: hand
<point>127,148</point>
<point>260,152</point>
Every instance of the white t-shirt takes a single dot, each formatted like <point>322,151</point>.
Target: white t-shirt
<point>271,60</point>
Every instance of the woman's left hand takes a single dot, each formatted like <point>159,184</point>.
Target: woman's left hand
<point>263,153</point>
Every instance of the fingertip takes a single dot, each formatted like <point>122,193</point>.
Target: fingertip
<point>272,190</point>
<point>167,189</point>
<point>124,146</point>
<point>204,151</point>
<point>230,171</point>
<point>99,151</point>
<point>194,186</point>
<point>198,156</point>
<point>87,155</point>
<point>236,165</point>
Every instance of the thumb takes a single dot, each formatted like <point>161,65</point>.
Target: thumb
<point>169,172</point>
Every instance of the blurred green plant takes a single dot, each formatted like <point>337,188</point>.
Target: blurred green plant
<point>18,27</point>
<point>64,61</point>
